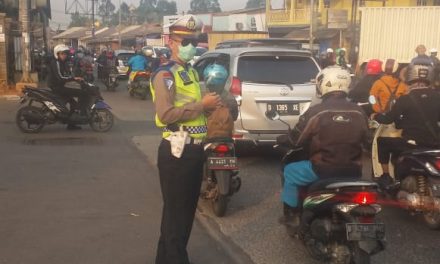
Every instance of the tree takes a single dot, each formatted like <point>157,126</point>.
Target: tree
<point>205,6</point>
<point>152,11</point>
<point>125,13</point>
<point>255,3</point>
<point>106,10</point>
<point>166,8</point>
<point>77,20</point>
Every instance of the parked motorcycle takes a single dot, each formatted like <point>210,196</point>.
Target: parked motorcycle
<point>42,107</point>
<point>338,220</point>
<point>139,84</point>
<point>221,169</point>
<point>111,81</point>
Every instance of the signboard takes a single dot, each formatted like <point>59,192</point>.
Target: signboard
<point>337,18</point>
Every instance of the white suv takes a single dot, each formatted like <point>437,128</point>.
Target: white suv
<point>264,78</point>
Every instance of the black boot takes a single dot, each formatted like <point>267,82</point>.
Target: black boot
<point>385,181</point>
<point>291,219</point>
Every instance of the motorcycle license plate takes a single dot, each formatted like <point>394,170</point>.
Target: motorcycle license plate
<point>358,232</point>
<point>284,109</point>
<point>222,163</point>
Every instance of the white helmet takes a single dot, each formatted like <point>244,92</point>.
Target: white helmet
<point>148,51</point>
<point>332,79</point>
<point>433,50</point>
<point>60,48</point>
<point>329,50</point>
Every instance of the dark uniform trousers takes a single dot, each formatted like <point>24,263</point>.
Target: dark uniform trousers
<point>180,181</point>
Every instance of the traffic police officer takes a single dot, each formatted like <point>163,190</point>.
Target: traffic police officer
<point>180,108</point>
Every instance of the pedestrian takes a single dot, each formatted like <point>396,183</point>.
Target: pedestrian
<point>421,55</point>
<point>340,60</point>
<point>180,109</point>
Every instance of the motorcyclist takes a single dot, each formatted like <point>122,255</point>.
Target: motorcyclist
<point>436,64</point>
<point>329,59</point>
<point>139,62</point>
<point>388,88</point>
<point>361,91</point>
<point>221,119</point>
<point>102,61</point>
<point>340,59</point>
<point>416,113</point>
<point>332,133</point>
<point>59,75</point>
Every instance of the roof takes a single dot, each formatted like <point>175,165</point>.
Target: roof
<point>72,33</point>
<point>129,32</point>
<point>242,11</point>
<point>304,34</point>
<point>239,51</point>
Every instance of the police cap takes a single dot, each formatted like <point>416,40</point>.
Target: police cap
<point>186,26</point>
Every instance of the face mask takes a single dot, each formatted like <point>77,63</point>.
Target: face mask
<point>187,53</point>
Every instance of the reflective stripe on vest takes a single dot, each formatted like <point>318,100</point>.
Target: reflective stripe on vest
<point>189,93</point>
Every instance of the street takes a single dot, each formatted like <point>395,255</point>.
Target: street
<point>86,197</point>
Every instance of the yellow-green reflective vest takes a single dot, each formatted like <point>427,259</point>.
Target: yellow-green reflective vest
<point>188,93</point>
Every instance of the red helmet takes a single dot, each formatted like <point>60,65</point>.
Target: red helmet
<point>374,67</point>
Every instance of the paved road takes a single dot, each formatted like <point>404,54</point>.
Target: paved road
<point>84,197</point>
<point>251,220</point>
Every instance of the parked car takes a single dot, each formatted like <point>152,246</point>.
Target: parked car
<point>261,79</point>
<point>122,57</point>
<point>268,42</point>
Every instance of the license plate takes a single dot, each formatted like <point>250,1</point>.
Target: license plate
<point>284,108</point>
<point>222,163</point>
<point>358,232</point>
<point>113,79</point>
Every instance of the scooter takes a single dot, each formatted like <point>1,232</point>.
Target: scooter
<point>221,169</point>
<point>42,107</point>
<point>338,219</point>
<point>139,84</point>
<point>417,179</point>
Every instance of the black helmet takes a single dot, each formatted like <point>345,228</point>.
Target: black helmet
<point>419,71</point>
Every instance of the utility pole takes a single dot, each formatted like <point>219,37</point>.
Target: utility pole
<point>119,26</point>
<point>93,19</point>
<point>25,41</point>
<point>312,10</point>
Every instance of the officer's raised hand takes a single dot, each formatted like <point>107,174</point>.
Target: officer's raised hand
<point>211,101</point>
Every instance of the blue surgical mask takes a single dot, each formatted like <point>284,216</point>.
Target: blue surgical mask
<point>187,53</point>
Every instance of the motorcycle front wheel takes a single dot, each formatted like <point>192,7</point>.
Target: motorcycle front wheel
<point>30,119</point>
<point>101,120</point>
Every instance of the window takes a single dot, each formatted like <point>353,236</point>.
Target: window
<point>421,2</point>
<point>285,69</point>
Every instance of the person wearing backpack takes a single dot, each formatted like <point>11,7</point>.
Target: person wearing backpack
<point>387,88</point>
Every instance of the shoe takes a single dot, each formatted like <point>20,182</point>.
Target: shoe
<point>291,216</point>
<point>73,127</point>
<point>385,181</point>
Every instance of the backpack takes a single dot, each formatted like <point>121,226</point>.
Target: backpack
<point>393,97</point>
<point>220,123</point>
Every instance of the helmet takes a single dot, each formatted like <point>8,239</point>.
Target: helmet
<point>215,76</point>
<point>147,51</point>
<point>332,79</point>
<point>433,51</point>
<point>329,50</point>
<point>60,48</point>
<point>418,72</point>
<point>390,66</point>
<point>374,67</point>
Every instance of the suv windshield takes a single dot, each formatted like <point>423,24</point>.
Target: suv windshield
<point>124,57</point>
<point>276,69</point>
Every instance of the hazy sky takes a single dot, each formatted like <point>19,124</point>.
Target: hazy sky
<point>58,16</point>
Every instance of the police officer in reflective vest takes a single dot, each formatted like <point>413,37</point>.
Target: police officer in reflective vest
<point>180,107</point>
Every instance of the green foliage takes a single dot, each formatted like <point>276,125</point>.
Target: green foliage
<point>152,11</point>
<point>77,20</point>
<point>255,3</point>
<point>204,6</point>
<point>106,10</point>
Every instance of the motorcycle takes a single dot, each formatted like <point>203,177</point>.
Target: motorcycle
<point>139,84</point>
<point>338,218</point>
<point>109,77</point>
<point>417,179</point>
<point>42,107</point>
<point>221,169</point>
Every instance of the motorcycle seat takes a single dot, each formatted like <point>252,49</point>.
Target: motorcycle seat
<point>336,183</point>
<point>219,140</point>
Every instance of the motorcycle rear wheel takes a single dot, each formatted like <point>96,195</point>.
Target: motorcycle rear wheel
<point>219,205</point>
<point>25,124</point>
<point>431,218</point>
<point>101,120</point>
<point>360,256</point>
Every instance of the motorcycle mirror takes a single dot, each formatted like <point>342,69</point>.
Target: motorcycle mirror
<point>272,115</point>
<point>372,99</point>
